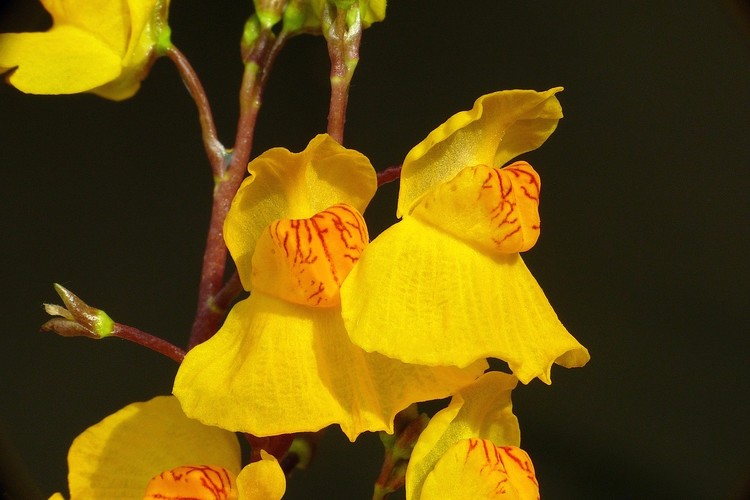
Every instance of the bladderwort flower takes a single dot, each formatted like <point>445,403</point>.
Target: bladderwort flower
<point>152,450</point>
<point>450,272</point>
<point>282,362</point>
<point>470,450</point>
<point>102,47</point>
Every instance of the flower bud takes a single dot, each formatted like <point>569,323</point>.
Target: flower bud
<point>269,12</point>
<point>77,318</point>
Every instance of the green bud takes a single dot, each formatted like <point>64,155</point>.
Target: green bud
<point>269,12</point>
<point>251,31</point>
<point>295,15</point>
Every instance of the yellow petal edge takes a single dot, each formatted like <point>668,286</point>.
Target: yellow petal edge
<point>262,480</point>
<point>499,127</point>
<point>481,410</point>
<point>276,367</point>
<point>285,185</point>
<point>458,304</point>
<point>105,48</point>
<point>117,457</point>
<point>477,469</point>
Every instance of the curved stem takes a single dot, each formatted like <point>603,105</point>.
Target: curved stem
<point>215,151</point>
<point>147,340</point>
<point>258,64</point>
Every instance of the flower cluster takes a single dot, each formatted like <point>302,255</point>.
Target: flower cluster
<point>336,330</point>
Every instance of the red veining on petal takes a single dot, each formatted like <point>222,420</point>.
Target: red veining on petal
<point>314,257</point>
<point>499,470</point>
<point>198,482</point>
<point>521,459</point>
<point>512,196</point>
<point>494,208</point>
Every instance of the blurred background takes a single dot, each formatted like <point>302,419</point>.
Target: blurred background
<point>644,251</point>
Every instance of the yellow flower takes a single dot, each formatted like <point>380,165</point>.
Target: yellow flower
<point>282,362</point>
<point>469,450</point>
<point>475,469</point>
<point>449,273</point>
<point>101,47</point>
<point>149,449</point>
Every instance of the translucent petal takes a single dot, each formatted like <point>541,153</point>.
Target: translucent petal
<point>64,60</point>
<point>278,368</point>
<point>285,185</point>
<point>194,482</point>
<point>481,410</point>
<point>305,260</point>
<point>262,480</point>
<point>117,457</point>
<point>476,469</point>
<point>498,128</point>
<point>496,209</point>
<point>457,303</point>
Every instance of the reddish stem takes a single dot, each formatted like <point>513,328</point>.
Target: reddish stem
<point>147,340</point>
<point>274,445</point>
<point>390,174</point>
<point>258,64</point>
<point>343,50</point>
<point>214,149</point>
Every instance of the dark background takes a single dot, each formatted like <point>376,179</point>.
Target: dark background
<point>643,253</point>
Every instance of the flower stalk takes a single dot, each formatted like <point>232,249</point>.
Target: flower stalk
<point>215,151</point>
<point>259,57</point>
<point>78,319</point>
<point>343,32</point>
<point>409,425</point>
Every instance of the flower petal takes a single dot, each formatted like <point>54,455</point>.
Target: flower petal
<point>142,34</point>
<point>117,457</point>
<point>285,185</point>
<point>304,261</point>
<point>262,480</point>
<point>194,482</point>
<point>498,128</point>
<point>494,208</point>
<point>109,21</point>
<point>481,410</point>
<point>476,469</point>
<point>457,303</point>
<point>279,368</point>
<point>146,25</point>
<point>63,60</point>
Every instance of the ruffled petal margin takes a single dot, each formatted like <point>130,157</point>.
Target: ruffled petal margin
<point>279,368</point>
<point>458,304</point>
<point>499,127</point>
